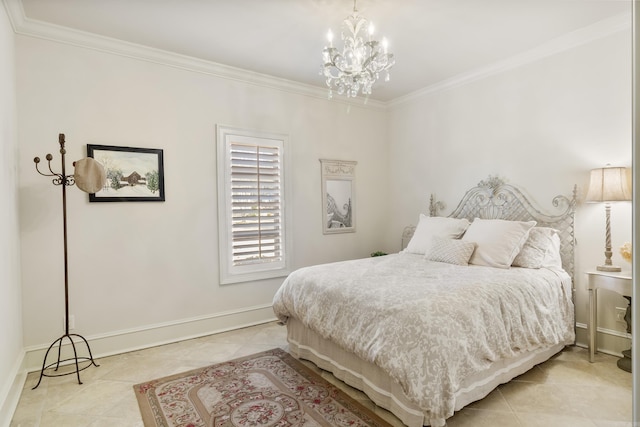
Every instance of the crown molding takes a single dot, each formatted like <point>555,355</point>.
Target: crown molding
<point>39,29</point>
<point>598,30</point>
<point>15,12</point>
<point>33,28</point>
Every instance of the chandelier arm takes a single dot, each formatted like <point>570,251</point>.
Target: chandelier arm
<point>368,61</point>
<point>342,71</point>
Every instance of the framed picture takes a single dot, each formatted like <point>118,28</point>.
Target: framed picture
<point>133,174</point>
<point>338,196</point>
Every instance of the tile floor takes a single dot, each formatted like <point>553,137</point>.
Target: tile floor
<point>565,391</point>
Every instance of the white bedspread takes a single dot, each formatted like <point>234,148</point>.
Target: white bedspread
<point>429,324</point>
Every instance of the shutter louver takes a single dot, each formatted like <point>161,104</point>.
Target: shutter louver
<point>256,204</point>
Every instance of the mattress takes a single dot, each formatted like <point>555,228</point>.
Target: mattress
<point>385,392</point>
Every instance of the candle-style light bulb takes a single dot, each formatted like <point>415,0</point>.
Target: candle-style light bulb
<point>330,37</point>
<point>385,44</point>
<point>371,30</point>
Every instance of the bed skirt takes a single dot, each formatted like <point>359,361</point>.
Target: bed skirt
<point>388,394</point>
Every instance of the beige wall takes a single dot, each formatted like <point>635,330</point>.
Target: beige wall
<point>11,348</point>
<point>542,126</point>
<point>148,272</point>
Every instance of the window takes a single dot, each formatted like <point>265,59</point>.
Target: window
<point>251,205</point>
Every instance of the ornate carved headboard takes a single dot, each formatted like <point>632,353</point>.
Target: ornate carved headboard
<point>494,199</point>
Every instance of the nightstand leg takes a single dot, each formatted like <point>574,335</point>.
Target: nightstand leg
<point>593,324</point>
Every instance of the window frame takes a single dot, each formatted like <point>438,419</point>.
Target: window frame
<point>230,273</point>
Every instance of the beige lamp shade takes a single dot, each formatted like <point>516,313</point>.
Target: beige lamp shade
<point>89,175</point>
<point>609,184</point>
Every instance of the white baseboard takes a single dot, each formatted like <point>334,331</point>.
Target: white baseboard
<point>613,340</point>
<point>11,391</point>
<point>123,341</point>
<point>116,342</point>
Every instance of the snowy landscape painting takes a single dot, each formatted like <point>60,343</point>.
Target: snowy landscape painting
<point>133,174</point>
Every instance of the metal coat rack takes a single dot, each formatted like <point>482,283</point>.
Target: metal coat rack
<point>64,180</point>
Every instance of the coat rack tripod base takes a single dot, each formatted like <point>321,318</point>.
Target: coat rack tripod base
<point>64,180</point>
<point>77,360</point>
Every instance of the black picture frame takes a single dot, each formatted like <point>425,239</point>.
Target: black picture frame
<point>133,174</point>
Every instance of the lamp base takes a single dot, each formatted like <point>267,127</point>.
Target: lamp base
<point>612,268</point>
<point>625,362</point>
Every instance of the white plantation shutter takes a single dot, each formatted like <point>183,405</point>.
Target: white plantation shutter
<point>251,205</point>
<point>256,204</point>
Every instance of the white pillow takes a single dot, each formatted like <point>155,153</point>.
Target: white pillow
<point>537,248</point>
<point>429,226</point>
<point>552,258</point>
<point>451,251</point>
<point>498,241</point>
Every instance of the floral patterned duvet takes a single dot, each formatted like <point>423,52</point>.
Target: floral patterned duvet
<point>428,324</point>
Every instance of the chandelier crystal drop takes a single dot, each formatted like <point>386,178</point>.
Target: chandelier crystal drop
<point>358,66</point>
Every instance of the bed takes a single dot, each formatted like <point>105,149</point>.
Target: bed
<point>473,300</point>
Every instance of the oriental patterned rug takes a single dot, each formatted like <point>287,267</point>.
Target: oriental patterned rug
<point>271,388</point>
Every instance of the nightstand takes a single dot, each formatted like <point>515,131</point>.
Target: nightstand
<point>616,282</point>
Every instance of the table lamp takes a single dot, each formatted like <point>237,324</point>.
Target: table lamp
<point>609,184</point>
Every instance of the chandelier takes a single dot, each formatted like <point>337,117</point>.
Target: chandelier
<point>361,61</point>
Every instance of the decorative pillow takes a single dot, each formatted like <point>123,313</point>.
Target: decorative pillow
<point>535,249</point>
<point>452,251</point>
<point>498,241</point>
<point>552,258</point>
<point>429,226</point>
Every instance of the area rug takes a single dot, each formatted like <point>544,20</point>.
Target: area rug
<point>271,388</point>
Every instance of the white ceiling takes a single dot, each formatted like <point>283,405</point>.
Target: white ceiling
<point>433,40</point>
